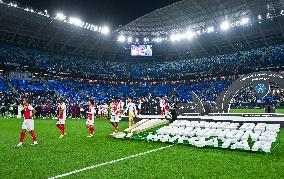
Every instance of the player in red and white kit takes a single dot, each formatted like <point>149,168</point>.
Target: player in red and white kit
<point>121,107</point>
<point>167,108</point>
<point>162,107</point>
<point>91,118</point>
<point>28,123</point>
<point>60,123</point>
<point>140,106</point>
<point>114,120</point>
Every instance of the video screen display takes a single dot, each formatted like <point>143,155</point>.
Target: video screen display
<point>141,50</point>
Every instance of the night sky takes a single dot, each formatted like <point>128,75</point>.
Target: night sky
<point>99,12</point>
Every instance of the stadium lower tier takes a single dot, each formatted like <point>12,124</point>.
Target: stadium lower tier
<point>149,99</point>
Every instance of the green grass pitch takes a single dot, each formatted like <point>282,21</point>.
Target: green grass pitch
<point>54,156</point>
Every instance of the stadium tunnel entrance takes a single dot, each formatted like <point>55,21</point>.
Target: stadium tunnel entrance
<point>260,82</point>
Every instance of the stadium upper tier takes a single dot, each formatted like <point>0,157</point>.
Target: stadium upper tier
<point>174,68</point>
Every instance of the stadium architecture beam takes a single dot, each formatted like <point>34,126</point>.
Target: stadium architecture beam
<point>246,40</point>
<point>36,35</point>
<point>281,28</point>
<point>52,39</point>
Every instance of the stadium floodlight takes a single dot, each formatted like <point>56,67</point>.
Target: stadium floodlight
<point>146,39</point>
<point>210,29</point>
<point>121,38</point>
<point>1,1</point>
<point>259,17</point>
<point>245,21</point>
<point>225,25</point>
<point>129,39</point>
<point>105,30</point>
<point>189,34</point>
<point>173,37</point>
<point>75,21</point>
<point>282,12</point>
<point>60,16</point>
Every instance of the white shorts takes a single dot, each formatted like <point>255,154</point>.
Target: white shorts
<point>105,112</point>
<point>60,121</point>
<point>90,122</point>
<point>114,118</point>
<point>28,124</point>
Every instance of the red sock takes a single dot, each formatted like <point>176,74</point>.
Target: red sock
<point>92,129</point>
<point>33,135</point>
<point>23,134</point>
<point>62,129</point>
<point>58,126</point>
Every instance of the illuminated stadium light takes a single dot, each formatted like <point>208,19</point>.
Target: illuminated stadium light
<point>60,16</point>
<point>225,25</point>
<point>137,40</point>
<point>105,30</point>
<point>121,38</point>
<point>282,12</point>
<point>146,39</point>
<point>159,39</point>
<point>244,21</point>
<point>189,34</point>
<point>173,37</point>
<point>129,39</point>
<point>210,29</point>
<point>1,1</point>
<point>13,5</point>
<point>75,21</point>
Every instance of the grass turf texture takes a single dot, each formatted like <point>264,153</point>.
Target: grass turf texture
<point>54,156</point>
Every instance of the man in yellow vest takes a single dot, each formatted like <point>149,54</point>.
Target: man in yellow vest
<point>11,110</point>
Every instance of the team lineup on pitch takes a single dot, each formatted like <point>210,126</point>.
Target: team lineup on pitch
<point>29,113</point>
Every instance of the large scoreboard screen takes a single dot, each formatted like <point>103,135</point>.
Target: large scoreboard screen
<point>141,50</point>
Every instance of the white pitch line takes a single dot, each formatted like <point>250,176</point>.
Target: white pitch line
<point>107,163</point>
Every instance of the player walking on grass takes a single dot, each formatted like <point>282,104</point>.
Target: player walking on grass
<point>91,118</point>
<point>114,120</point>
<point>28,123</point>
<point>60,123</point>
<point>132,112</point>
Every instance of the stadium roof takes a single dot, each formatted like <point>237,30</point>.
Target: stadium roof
<point>33,30</point>
<point>195,14</point>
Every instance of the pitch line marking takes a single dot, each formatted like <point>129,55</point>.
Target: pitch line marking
<point>107,163</point>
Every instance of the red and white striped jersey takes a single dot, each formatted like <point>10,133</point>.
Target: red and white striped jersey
<point>62,111</point>
<point>28,112</point>
<point>115,109</point>
<point>91,113</point>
